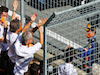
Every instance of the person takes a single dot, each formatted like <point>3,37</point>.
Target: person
<point>4,59</point>
<point>91,45</point>
<point>3,28</point>
<point>23,51</point>
<point>34,69</point>
<point>67,68</point>
<point>15,28</point>
<point>95,69</point>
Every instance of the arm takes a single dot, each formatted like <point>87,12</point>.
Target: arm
<point>26,27</point>
<point>68,47</point>
<point>15,5</point>
<point>41,35</point>
<point>2,39</point>
<point>42,22</point>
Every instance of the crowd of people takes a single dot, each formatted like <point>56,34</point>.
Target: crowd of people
<point>17,49</point>
<point>16,43</point>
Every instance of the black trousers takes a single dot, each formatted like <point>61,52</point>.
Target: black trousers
<point>6,66</point>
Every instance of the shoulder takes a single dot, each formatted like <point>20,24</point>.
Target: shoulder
<point>38,44</point>
<point>61,65</point>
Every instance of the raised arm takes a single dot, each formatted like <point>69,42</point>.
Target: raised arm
<point>26,27</point>
<point>15,5</point>
<point>41,35</point>
<point>42,22</point>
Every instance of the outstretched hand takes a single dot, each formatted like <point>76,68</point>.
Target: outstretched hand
<point>41,22</point>
<point>33,17</point>
<point>15,5</point>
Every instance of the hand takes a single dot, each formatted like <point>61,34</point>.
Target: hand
<point>33,17</point>
<point>41,22</point>
<point>68,47</point>
<point>17,18</point>
<point>15,5</point>
<point>85,49</point>
<point>5,23</point>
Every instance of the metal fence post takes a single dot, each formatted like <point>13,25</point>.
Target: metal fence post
<point>6,3</point>
<point>22,13</point>
<point>45,53</point>
<point>7,6</point>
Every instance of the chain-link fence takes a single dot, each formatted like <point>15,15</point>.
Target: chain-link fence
<point>47,4</point>
<point>20,10</point>
<point>64,30</point>
<point>2,2</point>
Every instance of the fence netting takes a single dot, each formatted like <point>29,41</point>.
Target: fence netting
<point>68,40</point>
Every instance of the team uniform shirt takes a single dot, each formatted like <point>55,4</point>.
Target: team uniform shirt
<point>3,46</point>
<point>11,39</point>
<point>91,45</point>
<point>66,69</point>
<point>24,55</point>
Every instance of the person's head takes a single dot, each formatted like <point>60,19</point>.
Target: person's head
<point>3,13</point>
<point>34,69</point>
<point>95,69</point>
<point>27,38</point>
<point>15,26</point>
<point>90,31</point>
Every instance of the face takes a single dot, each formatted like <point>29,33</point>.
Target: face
<point>3,16</point>
<point>90,34</point>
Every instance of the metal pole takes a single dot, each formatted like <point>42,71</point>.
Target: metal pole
<point>22,13</point>
<point>7,6</point>
<point>45,53</point>
<point>6,3</point>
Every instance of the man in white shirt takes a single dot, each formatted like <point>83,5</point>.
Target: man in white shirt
<point>15,28</point>
<point>3,28</point>
<point>12,35</point>
<point>24,52</point>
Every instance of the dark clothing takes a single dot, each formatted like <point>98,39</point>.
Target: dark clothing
<point>91,46</point>
<point>6,65</point>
